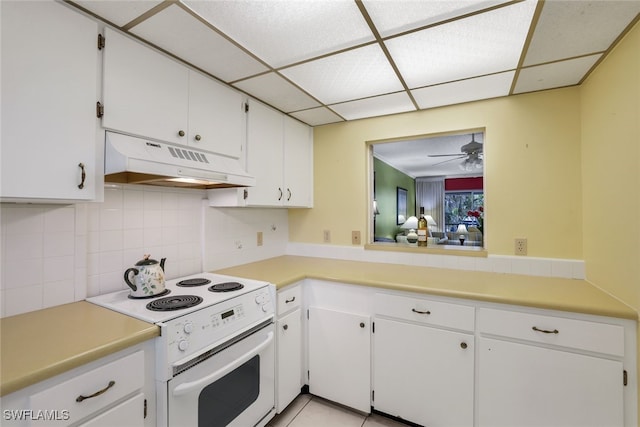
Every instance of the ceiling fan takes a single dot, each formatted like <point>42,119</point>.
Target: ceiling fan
<point>470,152</point>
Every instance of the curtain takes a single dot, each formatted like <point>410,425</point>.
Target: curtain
<point>430,196</point>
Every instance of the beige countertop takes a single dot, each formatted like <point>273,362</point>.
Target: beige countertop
<point>41,344</point>
<point>542,292</point>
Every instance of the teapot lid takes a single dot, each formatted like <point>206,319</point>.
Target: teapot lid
<point>146,261</point>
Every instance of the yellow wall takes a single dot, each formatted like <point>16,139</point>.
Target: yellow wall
<point>610,110</point>
<point>532,171</point>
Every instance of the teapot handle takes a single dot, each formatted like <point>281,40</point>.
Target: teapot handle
<point>126,278</point>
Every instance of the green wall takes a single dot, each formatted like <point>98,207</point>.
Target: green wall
<point>387,180</point>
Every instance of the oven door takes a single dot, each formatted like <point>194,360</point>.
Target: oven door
<point>234,387</point>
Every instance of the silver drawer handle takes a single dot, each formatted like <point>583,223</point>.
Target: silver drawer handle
<point>420,312</point>
<point>97,393</point>
<point>545,331</point>
<point>287,301</point>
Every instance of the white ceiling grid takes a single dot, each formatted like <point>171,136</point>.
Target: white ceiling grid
<point>325,61</point>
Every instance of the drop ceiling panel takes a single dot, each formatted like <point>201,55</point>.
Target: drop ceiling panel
<point>390,19</point>
<point>555,74</point>
<point>573,28</point>
<point>486,87</point>
<point>482,44</point>
<point>286,32</point>
<point>317,116</point>
<point>176,31</point>
<point>376,106</point>
<point>277,91</point>
<point>118,12</point>
<point>354,74</point>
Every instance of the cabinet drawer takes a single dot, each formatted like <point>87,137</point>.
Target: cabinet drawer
<point>425,311</point>
<point>288,299</point>
<point>578,334</point>
<point>126,375</point>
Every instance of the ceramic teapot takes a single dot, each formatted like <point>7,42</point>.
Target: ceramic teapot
<point>148,277</point>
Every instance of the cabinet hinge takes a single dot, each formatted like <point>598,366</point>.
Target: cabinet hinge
<point>245,194</point>
<point>307,314</point>
<point>373,327</point>
<point>373,395</point>
<point>625,378</point>
<point>246,107</point>
<point>145,408</point>
<point>99,110</point>
<point>100,42</point>
<point>308,375</point>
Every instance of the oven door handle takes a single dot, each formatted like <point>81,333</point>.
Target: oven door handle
<point>215,376</point>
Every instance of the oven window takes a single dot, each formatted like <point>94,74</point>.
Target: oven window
<point>219,403</point>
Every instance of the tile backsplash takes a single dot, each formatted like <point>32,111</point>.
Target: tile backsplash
<point>56,254</point>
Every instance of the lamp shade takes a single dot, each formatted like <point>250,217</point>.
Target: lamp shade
<point>375,208</point>
<point>411,222</point>
<point>430,221</point>
<point>462,229</point>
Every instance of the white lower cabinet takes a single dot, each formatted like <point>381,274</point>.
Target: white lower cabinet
<point>423,360</point>
<point>423,374</point>
<point>126,414</point>
<point>340,357</point>
<point>550,371</point>
<point>289,365</point>
<point>117,390</point>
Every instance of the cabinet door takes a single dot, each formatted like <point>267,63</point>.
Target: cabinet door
<point>289,371</point>
<point>422,374</point>
<point>340,357</point>
<point>49,93</point>
<point>525,385</point>
<point>298,163</point>
<point>145,93</point>
<point>264,155</point>
<point>129,413</point>
<point>215,116</point>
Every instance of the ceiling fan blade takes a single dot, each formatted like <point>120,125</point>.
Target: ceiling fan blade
<point>450,160</point>
<point>446,155</point>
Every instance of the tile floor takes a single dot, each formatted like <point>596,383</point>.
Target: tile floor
<point>312,411</point>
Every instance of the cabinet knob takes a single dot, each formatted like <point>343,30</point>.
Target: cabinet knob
<point>362,324</point>
<point>198,137</point>
<point>463,345</point>
<point>285,327</point>
<point>181,133</point>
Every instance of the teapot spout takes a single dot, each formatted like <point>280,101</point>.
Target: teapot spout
<point>162,263</point>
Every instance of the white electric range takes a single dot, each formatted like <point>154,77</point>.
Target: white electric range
<point>215,355</point>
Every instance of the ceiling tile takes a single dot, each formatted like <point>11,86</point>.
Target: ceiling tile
<point>376,106</point>
<point>278,92</point>
<point>176,31</point>
<point>478,45</point>
<point>317,116</point>
<point>287,31</point>
<point>469,90</point>
<point>119,12</point>
<point>556,74</point>
<point>358,73</point>
<point>390,19</point>
<point>573,28</point>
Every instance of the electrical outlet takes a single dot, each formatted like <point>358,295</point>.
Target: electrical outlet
<point>521,246</point>
<point>259,238</point>
<point>326,236</point>
<point>355,237</point>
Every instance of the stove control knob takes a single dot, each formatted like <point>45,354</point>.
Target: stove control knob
<point>188,327</point>
<point>265,307</point>
<point>259,299</point>
<point>183,345</point>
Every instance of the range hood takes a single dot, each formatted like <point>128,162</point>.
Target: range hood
<point>133,160</point>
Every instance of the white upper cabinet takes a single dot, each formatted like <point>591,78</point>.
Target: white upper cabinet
<point>144,92</point>
<point>150,95</point>
<point>216,116</point>
<point>49,94</point>
<point>279,156</point>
